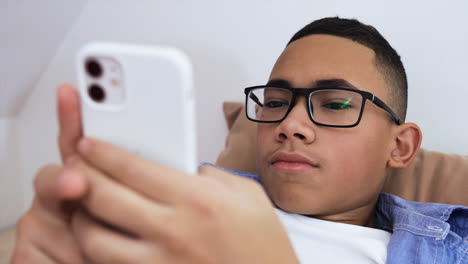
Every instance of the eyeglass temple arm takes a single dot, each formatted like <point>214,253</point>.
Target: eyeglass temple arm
<point>382,105</point>
<point>255,99</point>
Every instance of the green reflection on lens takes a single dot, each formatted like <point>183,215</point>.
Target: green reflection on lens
<point>345,104</point>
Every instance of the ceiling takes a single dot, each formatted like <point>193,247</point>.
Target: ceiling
<point>30,33</point>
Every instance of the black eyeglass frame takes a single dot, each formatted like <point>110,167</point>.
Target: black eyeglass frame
<point>308,91</point>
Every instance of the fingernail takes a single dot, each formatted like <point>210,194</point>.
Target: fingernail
<point>70,184</point>
<point>84,146</point>
<point>63,181</point>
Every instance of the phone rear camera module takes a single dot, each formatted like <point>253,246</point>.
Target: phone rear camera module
<point>93,68</point>
<point>96,93</point>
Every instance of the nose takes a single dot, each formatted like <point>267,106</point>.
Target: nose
<point>297,125</point>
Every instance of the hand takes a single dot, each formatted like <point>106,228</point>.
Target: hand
<point>171,217</point>
<point>43,233</point>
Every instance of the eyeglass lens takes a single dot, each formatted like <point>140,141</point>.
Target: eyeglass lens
<point>330,107</point>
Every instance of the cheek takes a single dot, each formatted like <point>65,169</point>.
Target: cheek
<point>349,166</point>
<point>358,161</point>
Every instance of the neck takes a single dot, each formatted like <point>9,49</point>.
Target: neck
<point>362,216</point>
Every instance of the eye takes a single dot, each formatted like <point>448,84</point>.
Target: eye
<point>338,105</point>
<point>275,104</point>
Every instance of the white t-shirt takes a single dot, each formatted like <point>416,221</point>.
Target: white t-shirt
<point>319,241</point>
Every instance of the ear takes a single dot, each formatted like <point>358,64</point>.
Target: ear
<point>408,139</point>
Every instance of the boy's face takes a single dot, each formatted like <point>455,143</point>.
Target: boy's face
<point>346,167</point>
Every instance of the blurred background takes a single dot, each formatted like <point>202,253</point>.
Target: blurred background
<point>232,44</point>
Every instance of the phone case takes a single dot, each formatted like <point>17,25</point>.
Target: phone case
<point>156,116</point>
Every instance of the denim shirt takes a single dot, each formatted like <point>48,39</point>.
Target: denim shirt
<point>425,233</point>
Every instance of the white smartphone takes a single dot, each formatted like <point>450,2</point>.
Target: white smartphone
<point>139,98</point>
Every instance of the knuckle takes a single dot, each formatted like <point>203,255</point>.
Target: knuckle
<point>174,235</point>
<point>164,217</point>
<point>176,241</point>
<point>206,202</point>
<point>182,245</point>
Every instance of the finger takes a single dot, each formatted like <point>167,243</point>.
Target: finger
<point>69,117</point>
<point>234,182</point>
<point>119,206</point>
<point>32,245</point>
<point>149,178</point>
<point>102,245</point>
<point>54,185</point>
<point>223,176</point>
<point>30,255</point>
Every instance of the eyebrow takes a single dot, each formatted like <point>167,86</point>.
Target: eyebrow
<point>324,83</point>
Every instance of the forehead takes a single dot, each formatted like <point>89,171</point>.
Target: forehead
<point>319,57</point>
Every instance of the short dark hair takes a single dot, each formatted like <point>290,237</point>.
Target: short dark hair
<point>387,60</point>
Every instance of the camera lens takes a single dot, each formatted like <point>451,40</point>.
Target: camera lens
<point>93,68</point>
<point>96,93</point>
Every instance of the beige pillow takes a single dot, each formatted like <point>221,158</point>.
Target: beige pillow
<point>431,177</point>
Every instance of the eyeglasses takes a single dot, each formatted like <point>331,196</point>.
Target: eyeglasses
<point>331,107</point>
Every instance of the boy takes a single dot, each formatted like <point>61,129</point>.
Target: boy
<point>331,124</point>
<point>324,151</point>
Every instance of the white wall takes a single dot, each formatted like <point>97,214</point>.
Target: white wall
<point>31,32</point>
<point>234,44</point>
<point>11,195</point>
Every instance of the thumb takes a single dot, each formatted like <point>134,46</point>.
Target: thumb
<point>58,188</point>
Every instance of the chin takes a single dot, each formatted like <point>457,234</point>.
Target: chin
<point>294,199</point>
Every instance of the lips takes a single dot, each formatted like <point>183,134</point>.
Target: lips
<point>293,162</point>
